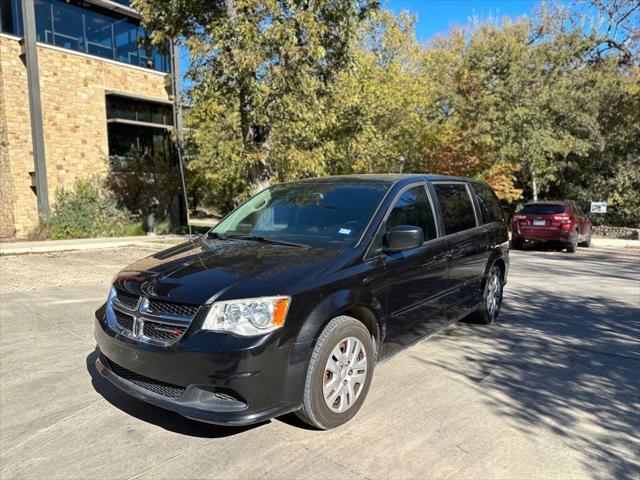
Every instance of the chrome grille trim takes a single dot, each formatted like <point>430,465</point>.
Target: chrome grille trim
<point>127,300</point>
<point>162,325</point>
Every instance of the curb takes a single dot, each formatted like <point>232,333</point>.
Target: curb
<point>49,246</point>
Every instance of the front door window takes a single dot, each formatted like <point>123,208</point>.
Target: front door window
<point>414,208</point>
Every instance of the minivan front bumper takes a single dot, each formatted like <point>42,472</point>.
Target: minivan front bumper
<point>211,377</point>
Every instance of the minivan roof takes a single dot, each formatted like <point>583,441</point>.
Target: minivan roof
<point>390,178</point>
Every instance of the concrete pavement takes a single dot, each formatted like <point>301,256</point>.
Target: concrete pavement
<point>85,244</point>
<point>550,391</point>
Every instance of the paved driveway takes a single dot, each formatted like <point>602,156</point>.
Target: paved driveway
<point>551,390</point>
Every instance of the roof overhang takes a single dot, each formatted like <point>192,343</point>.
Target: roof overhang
<point>116,7</point>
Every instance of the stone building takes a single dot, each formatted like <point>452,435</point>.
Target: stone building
<point>102,89</point>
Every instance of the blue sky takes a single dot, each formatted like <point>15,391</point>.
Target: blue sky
<point>437,16</point>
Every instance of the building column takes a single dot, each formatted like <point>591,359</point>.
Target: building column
<point>35,107</point>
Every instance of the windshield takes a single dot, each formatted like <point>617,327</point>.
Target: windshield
<point>319,214</point>
<point>543,209</point>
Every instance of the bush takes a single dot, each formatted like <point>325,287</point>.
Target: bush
<point>146,183</point>
<point>87,211</point>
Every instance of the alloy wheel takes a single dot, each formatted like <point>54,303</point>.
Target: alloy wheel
<point>494,294</point>
<point>345,374</point>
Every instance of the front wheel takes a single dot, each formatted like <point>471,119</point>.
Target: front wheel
<point>491,298</point>
<point>339,374</point>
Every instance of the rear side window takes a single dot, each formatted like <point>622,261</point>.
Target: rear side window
<point>414,208</point>
<point>490,209</point>
<point>456,206</point>
<point>543,209</point>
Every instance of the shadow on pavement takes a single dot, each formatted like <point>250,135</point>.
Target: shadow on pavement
<point>155,415</point>
<point>563,363</point>
<point>583,265</point>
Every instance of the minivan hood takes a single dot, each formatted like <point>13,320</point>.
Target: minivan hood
<point>195,272</point>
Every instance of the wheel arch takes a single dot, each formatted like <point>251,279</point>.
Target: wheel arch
<point>500,262</point>
<point>366,316</point>
<point>361,305</point>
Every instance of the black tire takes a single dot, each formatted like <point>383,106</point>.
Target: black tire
<point>315,410</point>
<point>572,246</point>
<point>517,243</point>
<point>587,242</point>
<point>485,314</point>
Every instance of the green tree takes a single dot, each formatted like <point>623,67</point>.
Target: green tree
<point>547,105</point>
<point>262,61</point>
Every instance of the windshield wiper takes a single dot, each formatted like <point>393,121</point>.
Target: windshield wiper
<point>215,235</point>
<point>260,238</point>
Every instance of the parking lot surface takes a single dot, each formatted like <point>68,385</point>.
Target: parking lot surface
<point>552,390</point>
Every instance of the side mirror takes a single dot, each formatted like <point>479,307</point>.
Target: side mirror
<point>403,237</point>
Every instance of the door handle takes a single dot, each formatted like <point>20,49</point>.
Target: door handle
<point>453,252</point>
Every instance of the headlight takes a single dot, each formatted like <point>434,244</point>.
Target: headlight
<point>250,316</point>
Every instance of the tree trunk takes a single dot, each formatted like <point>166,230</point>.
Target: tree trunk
<point>259,174</point>
<point>534,186</point>
<point>257,147</point>
<point>255,138</point>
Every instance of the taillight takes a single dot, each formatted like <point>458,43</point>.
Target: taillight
<point>519,217</point>
<point>563,221</point>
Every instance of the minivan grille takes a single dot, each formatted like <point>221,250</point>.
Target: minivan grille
<point>127,299</point>
<point>162,331</point>
<point>149,320</point>
<point>158,307</point>
<point>156,386</point>
<point>124,320</point>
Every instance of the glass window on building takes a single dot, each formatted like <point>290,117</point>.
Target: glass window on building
<point>126,41</point>
<point>138,127</point>
<point>125,141</point>
<point>99,34</point>
<point>67,29</point>
<point>11,17</point>
<point>84,27</point>
<point>127,108</point>
<point>42,10</point>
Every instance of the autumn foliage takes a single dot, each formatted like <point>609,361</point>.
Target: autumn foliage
<point>284,90</point>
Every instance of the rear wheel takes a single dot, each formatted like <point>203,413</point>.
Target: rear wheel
<point>339,374</point>
<point>572,246</point>
<point>491,298</point>
<point>587,241</point>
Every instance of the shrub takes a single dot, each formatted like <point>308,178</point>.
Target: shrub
<point>147,183</point>
<point>86,211</point>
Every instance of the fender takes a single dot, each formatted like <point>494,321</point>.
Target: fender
<point>335,304</point>
<point>496,254</point>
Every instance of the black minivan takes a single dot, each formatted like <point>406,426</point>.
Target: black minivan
<point>288,303</point>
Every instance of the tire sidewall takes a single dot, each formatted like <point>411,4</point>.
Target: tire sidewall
<point>572,246</point>
<point>324,416</point>
<point>587,242</point>
<point>486,316</point>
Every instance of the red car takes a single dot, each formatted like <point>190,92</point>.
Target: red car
<point>561,222</point>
